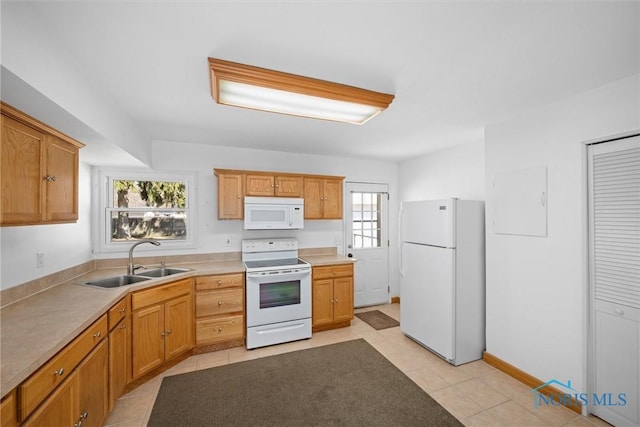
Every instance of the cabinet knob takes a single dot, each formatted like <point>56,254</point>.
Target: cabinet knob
<point>122,310</point>
<point>332,302</point>
<point>162,334</point>
<point>239,197</point>
<point>50,178</point>
<point>336,301</point>
<point>78,424</point>
<point>123,326</point>
<point>168,331</point>
<point>219,302</point>
<point>59,372</point>
<point>219,282</point>
<point>84,415</point>
<point>96,335</point>
<point>333,272</point>
<point>220,329</point>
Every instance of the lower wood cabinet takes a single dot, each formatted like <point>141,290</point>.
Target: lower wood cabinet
<point>332,296</point>
<point>220,311</point>
<point>162,328</point>
<point>61,367</point>
<point>81,399</point>
<point>9,410</point>
<point>119,349</point>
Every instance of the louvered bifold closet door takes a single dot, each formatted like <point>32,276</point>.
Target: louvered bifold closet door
<point>616,221</point>
<point>614,261</point>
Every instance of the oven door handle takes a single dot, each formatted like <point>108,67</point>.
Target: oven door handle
<point>295,272</point>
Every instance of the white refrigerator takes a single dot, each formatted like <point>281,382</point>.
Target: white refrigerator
<point>442,277</point>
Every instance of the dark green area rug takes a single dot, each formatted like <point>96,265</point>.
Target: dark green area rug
<point>344,384</point>
<point>377,319</point>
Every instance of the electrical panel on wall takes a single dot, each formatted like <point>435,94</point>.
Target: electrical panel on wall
<point>520,202</point>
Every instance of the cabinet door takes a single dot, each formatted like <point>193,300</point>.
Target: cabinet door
<point>119,360</point>
<point>343,298</point>
<point>23,150</point>
<point>259,185</point>
<point>148,339</point>
<point>9,411</point>
<point>230,196</point>
<point>313,194</point>
<point>288,186</point>
<point>60,409</point>
<point>322,302</point>
<point>61,181</point>
<point>178,326</point>
<point>332,201</point>
<point>93,386</point>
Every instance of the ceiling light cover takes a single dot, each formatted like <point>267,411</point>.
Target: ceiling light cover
<point>267,90</point>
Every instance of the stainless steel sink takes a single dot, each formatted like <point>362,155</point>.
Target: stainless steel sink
<point>162,272</point>
<point>117,281</point>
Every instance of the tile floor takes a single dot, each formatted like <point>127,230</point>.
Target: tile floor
<point>475,393</point>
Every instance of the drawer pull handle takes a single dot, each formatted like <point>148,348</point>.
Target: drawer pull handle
<point>96,335</point>
<point>59,372</point>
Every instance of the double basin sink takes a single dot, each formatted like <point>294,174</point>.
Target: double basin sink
<point>128,279</point>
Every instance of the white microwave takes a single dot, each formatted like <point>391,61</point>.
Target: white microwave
<point>273,213</point>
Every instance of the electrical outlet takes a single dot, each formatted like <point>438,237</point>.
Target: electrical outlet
<point>39,259</point>
<point>227,241</point>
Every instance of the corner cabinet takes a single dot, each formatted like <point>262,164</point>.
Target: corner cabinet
<point>162,325</point>
<point>322,194</point>
<point>39,171</point>
<point>332,293</point>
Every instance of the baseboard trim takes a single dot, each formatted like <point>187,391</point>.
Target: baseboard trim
<point>530,381</point>
<point>395,300</point>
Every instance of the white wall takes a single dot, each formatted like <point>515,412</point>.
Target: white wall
<point>212,232</point>
<point>454,172</point>
<point>537,291</point>
<point>63,245</point>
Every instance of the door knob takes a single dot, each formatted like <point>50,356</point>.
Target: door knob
<point>350,255</point>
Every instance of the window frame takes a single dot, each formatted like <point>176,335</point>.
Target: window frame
<point>106,177</point>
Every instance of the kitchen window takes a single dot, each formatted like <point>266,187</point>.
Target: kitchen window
<point>145,205</point>
<point>366,220</point>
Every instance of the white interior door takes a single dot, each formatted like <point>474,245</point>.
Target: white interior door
<point>367,240</point>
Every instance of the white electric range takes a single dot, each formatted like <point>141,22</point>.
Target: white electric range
<point>278,290</point>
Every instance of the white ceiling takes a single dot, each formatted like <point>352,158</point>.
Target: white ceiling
<point>454,67</point>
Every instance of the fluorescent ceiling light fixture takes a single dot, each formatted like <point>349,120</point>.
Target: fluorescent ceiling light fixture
<point>257,88</point>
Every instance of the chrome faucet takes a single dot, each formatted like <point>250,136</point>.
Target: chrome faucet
<point>131,268</point>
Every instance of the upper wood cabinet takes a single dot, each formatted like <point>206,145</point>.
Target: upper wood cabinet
<point>322,198</point>
<point>39,171</point>
<point>322,194</point>
<point>273,185</point>
<point>230,195</point>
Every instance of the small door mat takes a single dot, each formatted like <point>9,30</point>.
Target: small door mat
<point>377,319</point>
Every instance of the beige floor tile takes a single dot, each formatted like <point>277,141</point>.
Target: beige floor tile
<point>485,396</point>
<point>427,380</point>
<point>512,414</point>
<point>554,415</point>
<point>130,409</point>
<point>483,419</point>
<point>213,359</point>
<point>460,406</point>
<point>477,368</point>
<point>504,384</point>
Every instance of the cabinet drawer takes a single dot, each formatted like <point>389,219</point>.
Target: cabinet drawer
<point>209,331</point>
<point>329,271</point>
<point>222,301</point>
<point>48,377</point>
<point>159,294</point>
<point>117,313</point>
<point>219,281</point>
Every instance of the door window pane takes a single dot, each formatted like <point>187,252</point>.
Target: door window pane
<point>366,220</point>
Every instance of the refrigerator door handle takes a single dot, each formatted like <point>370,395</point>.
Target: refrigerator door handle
<point>400,243</point>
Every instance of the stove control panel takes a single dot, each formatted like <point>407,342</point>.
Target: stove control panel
<point>269,245</point>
